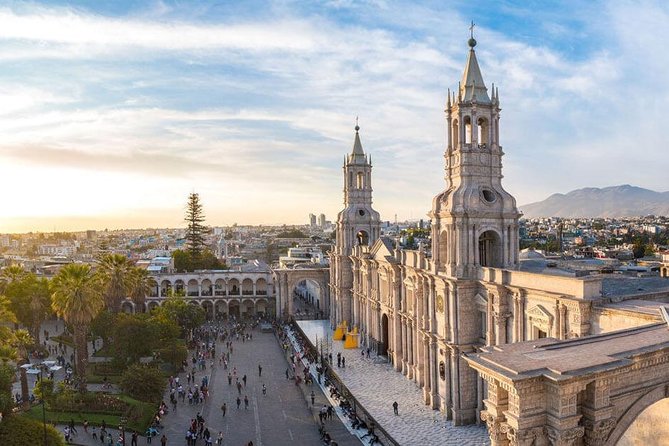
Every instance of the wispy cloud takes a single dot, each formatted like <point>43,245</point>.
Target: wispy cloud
<point>253,102</point>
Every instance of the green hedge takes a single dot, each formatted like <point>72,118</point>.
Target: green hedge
<point>21,431</point>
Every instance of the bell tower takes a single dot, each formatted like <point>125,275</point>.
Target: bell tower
<point>357,224</point>
<point>474,220</point>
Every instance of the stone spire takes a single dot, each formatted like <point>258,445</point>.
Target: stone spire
<point>472,85</point>
<point>358,155</point>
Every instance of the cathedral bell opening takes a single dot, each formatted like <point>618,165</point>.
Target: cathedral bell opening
<point>490,254</point>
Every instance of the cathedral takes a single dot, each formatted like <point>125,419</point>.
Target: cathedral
<point>426,309</point>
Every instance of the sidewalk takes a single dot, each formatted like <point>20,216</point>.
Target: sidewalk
<point>417,424</point>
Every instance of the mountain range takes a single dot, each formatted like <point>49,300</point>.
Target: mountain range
<point>614,201</point>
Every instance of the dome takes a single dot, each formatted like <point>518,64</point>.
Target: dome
<point>531,254</point>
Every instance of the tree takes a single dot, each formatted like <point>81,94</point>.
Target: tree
<point>195,230</point>
<point>141,284</point>
<point>22,342</point>
<point>76,299</point>
<point>143,382</point>
<point>115,274</point>
<point>127,330</point>
<point>30,301</point>
<point>188,316</point>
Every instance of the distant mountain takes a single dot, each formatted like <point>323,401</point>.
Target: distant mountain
<point>614,201</point>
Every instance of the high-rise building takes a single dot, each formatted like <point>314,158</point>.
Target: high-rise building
<point>321,221</point>
<point>312,220</point>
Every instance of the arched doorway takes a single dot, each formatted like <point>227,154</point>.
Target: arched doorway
<point>233,309</point>
<point>127,307</point>
<point>490,254</point>
<point>152,305</point>
<point>383,345</point>
<point>208,309</point>
<point>650,428</point>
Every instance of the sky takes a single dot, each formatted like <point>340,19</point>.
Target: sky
<point>112,112</point>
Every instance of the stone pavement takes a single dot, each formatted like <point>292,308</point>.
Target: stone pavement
<point>282,417</point>
<point>417,424</point>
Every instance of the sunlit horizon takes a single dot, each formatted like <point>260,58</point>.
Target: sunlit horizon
<point>113,113</point>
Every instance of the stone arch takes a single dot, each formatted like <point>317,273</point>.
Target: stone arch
<point>165,287</point>
<point>490,249</point>
<point>207,288</point>
<point>234,309</point>
<point>220,308</point>
<point>261,306</point>
<point>151,305</point>
<point>193,288</point>
<point>362,238</point>
<point>287,279</point>
<point>219,287</point>
<point>208,307</point>
<point>247,287</point>
<point>127,307</point>
<point>633,411</point>
<point>467,124</point>
<point>483,130</point>
<point>179,286</point>
<point>261,287</point>
<point>234,288</point>
<point>247,308</point>
<point>385,335</point>
<point>455,134</point>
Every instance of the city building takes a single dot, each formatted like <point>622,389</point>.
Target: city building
<point>428,310</point>
<point>312,220</point>
<point>322,222</point>
<point>303,255</point>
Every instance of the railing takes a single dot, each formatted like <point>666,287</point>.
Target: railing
<point>247,293</point>
<point>384,437</point>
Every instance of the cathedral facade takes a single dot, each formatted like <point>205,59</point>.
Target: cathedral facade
<point>424,309</point>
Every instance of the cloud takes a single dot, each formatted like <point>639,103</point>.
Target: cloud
<point>271,97</point>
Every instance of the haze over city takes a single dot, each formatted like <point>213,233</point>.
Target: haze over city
<point>112,113</point>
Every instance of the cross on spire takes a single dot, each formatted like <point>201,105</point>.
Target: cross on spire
<point>471,30</point>
<point>357,127</point>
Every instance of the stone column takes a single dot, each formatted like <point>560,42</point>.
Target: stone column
<point>493,416</point>
<point>434,377</point>
<point>489,336</point>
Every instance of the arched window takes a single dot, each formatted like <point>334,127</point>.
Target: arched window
<point>350,179</point>
<point>361,180</point>
<point>455,137</point>
<point>468,130</point>
<point>483,131</point>
<point>490,250</point>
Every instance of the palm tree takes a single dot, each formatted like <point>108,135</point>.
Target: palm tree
<point>75,298</point>
<point>10,274</point>
<point>115,273</point>
<point>23,341</point>
<point>141,285</point>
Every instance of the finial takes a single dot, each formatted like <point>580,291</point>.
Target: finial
<point>471,41</point>
<point>357,127</point>
<point>448,104</point>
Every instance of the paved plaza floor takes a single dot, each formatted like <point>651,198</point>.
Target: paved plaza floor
<point>376,385</point>
<point>282,417</point>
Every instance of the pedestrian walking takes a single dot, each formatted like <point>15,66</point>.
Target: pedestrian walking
<point>338,359</point>
<point>287,374</point>
<point>133,439</point>
<point>313,398</point>
<point>264,389</point>
<point>343,362</point>
<point>244,379</point>
<point>395,408</point>
<point>259,370</point>
<point>239,402</point>
<point>246,402</point>
<point>163,440</point>
<point>219,440</point>
<point>224,408</point>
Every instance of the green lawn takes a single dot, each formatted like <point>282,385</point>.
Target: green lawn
<point>142,414</point>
